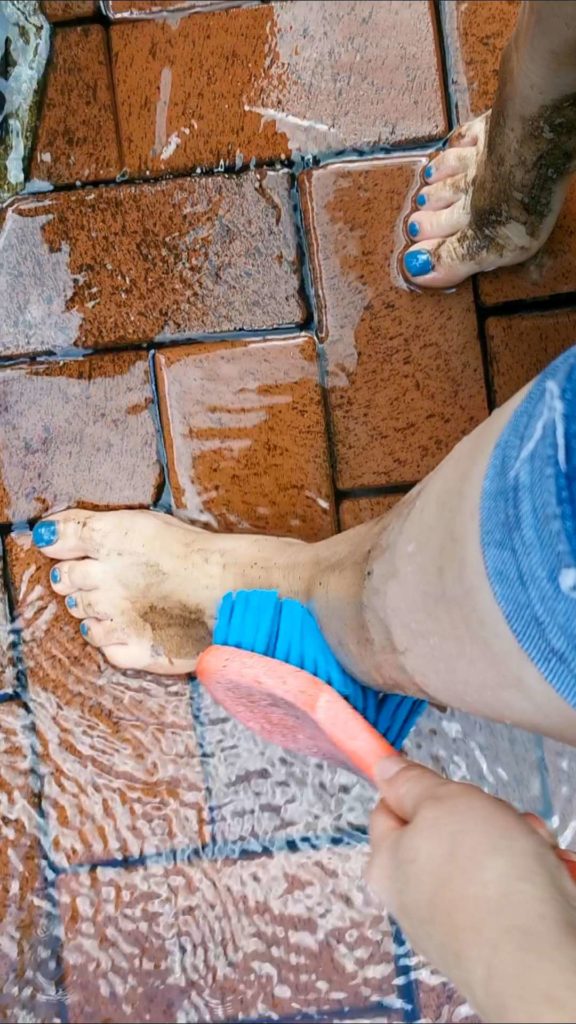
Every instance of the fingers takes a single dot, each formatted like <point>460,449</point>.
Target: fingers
<point>406,786</point>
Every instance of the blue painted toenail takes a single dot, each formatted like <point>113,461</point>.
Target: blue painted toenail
<point>420,200</point>
<point>428,172</point>
<point>71,601</point>
<point>84,629</point>
<point>418,262</point>
<point>45,533</point>
<point>55,575</point>
<point>413,229</point>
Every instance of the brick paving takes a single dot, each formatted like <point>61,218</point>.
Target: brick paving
<point>240,348</point>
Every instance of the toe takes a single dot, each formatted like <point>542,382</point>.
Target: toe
<point>103,632</point>
<point>442,262</point>
<point>439,223</point>
<point>89,604</point>
<point>450,162</point>
<point>443,194</point>
<point>66,535</point>
<point>68,577</point>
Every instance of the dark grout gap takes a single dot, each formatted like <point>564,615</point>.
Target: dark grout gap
<point>443,46</point>
<point>375,492</point>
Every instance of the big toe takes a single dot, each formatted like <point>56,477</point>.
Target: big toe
<point>70,534</point>
<point>440,263</point>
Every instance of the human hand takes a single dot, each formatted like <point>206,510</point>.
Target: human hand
<point>478,891</point>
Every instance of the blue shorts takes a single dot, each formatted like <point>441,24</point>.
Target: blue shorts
<point>528,524</point>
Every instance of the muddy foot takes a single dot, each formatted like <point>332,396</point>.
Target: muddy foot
<point>475,211</point>
<point>147,586</point>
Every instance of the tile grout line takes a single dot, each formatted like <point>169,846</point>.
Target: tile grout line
<point>47,868</point>
<point>112,81</point>
<point>489,385</point>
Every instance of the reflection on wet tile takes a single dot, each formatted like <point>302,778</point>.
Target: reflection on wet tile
<point>260,794</point>
<point>127,263</point>
<point>225,941</point>
<point>79,432</point>
<point>551,272</point>
<point>405,368</point>
<point>502,760</point>
<point>118,9</point>
<point>354,511</point>
<point>561,767</point>
<point>520,347</point>
<point>263,82</point>
<point>245,437</point>
<point>67,10</point>
<point>476,33</point>
<point>76,137</point>
<point>119,758</point>
<point>28,949</point>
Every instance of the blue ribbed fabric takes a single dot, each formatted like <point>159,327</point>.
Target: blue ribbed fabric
<point>262,622</point>
<point>528,524</point>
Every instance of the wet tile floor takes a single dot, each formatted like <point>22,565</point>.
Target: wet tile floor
<point>195,316</point>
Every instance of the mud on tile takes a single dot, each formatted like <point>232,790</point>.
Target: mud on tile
<point>267,81</point>
<point>29,966</point>
<point>245,436</point>
<point>259,938</point>
<point>128,263</point>
<point>76,138</point>
<point>404,368</point>
<point>118,755</point>
<point>77,432</point>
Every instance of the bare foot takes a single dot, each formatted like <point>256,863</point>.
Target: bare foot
<point>147,586</point>
<point>490,199</point>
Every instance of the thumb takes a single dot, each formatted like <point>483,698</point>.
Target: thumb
<point>406,786</point>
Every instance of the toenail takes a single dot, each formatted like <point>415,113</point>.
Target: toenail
<point>413,229</point>
<point>418,263</point>
<point>71,601</point>
<point>420,200</point>
<point>84,628</point>
<point>44,534</point>
<point>428,172</point>
<point>55,575</point>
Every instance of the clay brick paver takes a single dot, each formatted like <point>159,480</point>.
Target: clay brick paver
<point>354,511</point>
<point>476,32</point>
<point>118,755</point>
<point>551,272</point>
<point>117,9</point>
<point>261,795</point>
<point>83,145</point>
<point>28,947</point>
<point>68,10</point>
<point>126,263</point>
<point>245,437</point>
<point>258,939</point>
<point>78,432</point>
<point>519,347</point>
<point>264,82</point>
<point>404,368</point>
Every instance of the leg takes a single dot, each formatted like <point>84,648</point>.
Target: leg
<point>493,195</point>
<point>405,601</point>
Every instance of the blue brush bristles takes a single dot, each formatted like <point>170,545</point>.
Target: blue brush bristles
<point>264,623</point>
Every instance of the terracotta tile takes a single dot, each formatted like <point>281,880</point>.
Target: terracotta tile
<point>245,436</point>
<point>404,368</point>
<point>561,772</point>
<point>520,347</point>
<point>7,672</point>
<point>258,939</point>
<point>76,138</point>
<point>118,753</point>
<point>550,272</point>
<point>476,32</point>
<point>127,263</point>
<point>264,82</point>
<point>353,511</point>
<point>261,795</point>
<point>438,999</point>
<point>117,9</point>
<point>78,432</point>
<point>28,942</point>
<point>67,10</point>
